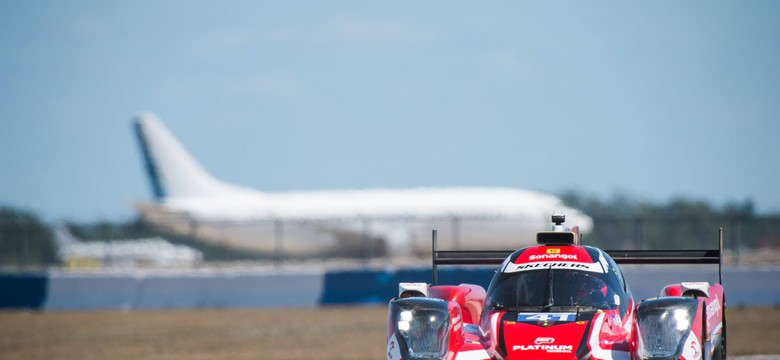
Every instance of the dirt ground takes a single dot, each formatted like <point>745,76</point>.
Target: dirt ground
<point>324,333</point>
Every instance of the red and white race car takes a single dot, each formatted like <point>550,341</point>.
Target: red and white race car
<point>558,300</point>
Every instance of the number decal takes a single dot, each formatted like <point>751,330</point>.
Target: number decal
<point>536,317</point>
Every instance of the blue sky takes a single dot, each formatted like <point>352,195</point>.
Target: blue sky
<point>652,99</point>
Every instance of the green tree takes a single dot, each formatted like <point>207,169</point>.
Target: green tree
<point>24,239</point>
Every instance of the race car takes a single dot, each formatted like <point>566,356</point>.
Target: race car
<point>559,300</point>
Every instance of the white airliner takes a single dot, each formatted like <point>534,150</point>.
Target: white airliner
<point>189,201</point>
<point>147,252</point>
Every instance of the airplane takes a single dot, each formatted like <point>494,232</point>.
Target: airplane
<point>145,252</point>
<point>189,201</point>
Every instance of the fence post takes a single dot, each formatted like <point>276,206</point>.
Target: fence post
<point>279,241</point>
<point>26,247</point>
<point>456,232</point>
<point>368,248</point>
<point>737,240</point>
<point>639,233</point>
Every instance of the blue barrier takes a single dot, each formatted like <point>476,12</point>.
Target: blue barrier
<point>57,290</point>
<point>181,290</point>
<point>379,286</point>
<point>26,291</point>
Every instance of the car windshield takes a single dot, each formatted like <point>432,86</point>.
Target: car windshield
<point>549,288</point>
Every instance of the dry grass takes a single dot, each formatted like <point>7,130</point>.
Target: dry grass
<point>753,331</point>
<point>330,333</point>
<point>327,333</point>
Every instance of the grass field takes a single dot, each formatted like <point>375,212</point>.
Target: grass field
<point>324,333</point>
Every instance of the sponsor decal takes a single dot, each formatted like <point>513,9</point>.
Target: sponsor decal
<point>560,265</point>
<point>393,350</point>
<point>617,320</point>
<point>553,257</point>
<point>692,346</point>
<point>544,340</point>
<point>695,350</point>
<point>550,349</point>
<point>457,322</point>
<point>565,265</point>
<point>597,351</point>
<point>713,307</point>
<point>553,251</point>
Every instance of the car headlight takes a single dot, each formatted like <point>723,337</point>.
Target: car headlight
<point>422,327</point>
<point>663,325</point>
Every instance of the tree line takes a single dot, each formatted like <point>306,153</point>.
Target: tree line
<point>626,222</point>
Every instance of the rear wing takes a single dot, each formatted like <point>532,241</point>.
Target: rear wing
<point>496,257</point>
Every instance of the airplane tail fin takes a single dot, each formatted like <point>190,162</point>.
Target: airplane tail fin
<point>63,236</point>
<point>172,171</point>
<point>63,239</point>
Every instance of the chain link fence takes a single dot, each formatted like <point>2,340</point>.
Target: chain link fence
<point>26,244</point>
